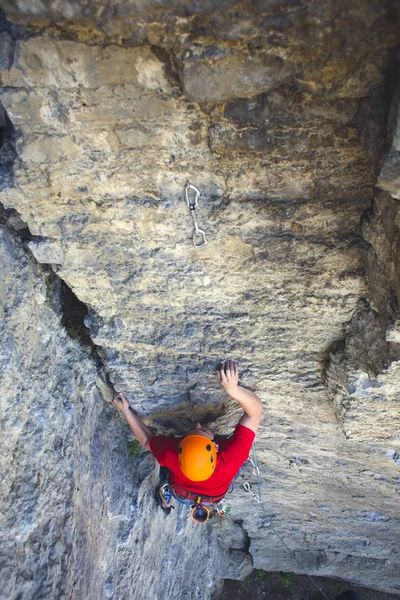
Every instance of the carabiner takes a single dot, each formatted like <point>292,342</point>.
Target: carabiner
<point>199,235</point>
<point>192,204</point>
<point>247,487</point>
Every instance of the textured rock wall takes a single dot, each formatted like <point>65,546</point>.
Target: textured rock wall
<point>51,415</point>
<point>77,517</point>
<point>277,112</point>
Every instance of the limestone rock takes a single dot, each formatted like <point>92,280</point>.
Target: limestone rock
<point>15,220</point>
<point>46,62</point>
<point>240,565</point>
<point>205,80</point>
<point>46,251</point>
<point>389,176</point>
<point>363,369</point>
<point>380,229</point>
<point>109,109</point>
<point>6,50</point>
<point>78,515</point>
<point>393,333</point>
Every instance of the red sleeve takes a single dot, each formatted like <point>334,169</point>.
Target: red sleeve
<point>238,447</point>
<point>159,446</point>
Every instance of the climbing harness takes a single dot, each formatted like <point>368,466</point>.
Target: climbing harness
<point>200,513</point>
<point>203,507</point>
<point>259,499</point>
<point>181,494</point>
<point>199,235</point>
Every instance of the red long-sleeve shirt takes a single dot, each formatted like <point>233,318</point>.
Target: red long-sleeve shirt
<point>232,453</point>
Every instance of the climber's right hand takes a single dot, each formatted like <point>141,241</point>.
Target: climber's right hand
<point>228,376</point>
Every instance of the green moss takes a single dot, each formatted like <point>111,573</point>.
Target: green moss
<point>286,580</point>
<point>339,587</point>
<point>134,448</point>
<point>260,575</point>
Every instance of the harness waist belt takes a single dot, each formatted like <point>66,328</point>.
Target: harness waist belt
<point>185,495</point>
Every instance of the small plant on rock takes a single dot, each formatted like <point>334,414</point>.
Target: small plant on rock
<point>260,575</point>
<point>339,587</point>
<point>286,580</point>
<point>134,448</point>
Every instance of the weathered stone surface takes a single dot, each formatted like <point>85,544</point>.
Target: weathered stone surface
<point>389,176</point>
<point>77,514</point>
<point>46,62</point>
<point>46,251</point>
<point>6,50</point>
<point>240,564</point>
<point>114,109</point>
<point>381,229</point>
<point>48,400</point>
<point>363,369</point>
<point>324,46</point>
<point>393,333</point>
<point>205,81</point>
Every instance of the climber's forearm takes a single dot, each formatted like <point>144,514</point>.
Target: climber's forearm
<point>251,405</point>
<point>247,399</point>
<point>141,432</point>
<point>228,376</point>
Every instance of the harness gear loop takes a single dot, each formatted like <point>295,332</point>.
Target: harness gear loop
<point>222,508</point>
<point>199,235</point>
<point>181,494</point>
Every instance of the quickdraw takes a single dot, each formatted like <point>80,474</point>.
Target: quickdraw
<point>199,235</point>
<point>256,471</point>
<point>247,487</point>
<point>222,508</point>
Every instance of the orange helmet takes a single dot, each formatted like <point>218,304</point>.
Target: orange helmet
<point>197,457</point>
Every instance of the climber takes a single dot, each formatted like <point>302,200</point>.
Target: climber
<point>197,469</point>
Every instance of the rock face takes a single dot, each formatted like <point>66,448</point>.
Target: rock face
<point>279,115</point>
<point>77,517</point>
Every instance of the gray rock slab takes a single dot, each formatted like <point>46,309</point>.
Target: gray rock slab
<point>224,77</point>
<point>78,514</point>
<point>46,251</point>
<point>105,137</point>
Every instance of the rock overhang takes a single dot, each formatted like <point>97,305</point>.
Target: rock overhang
<point>113,121</point>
